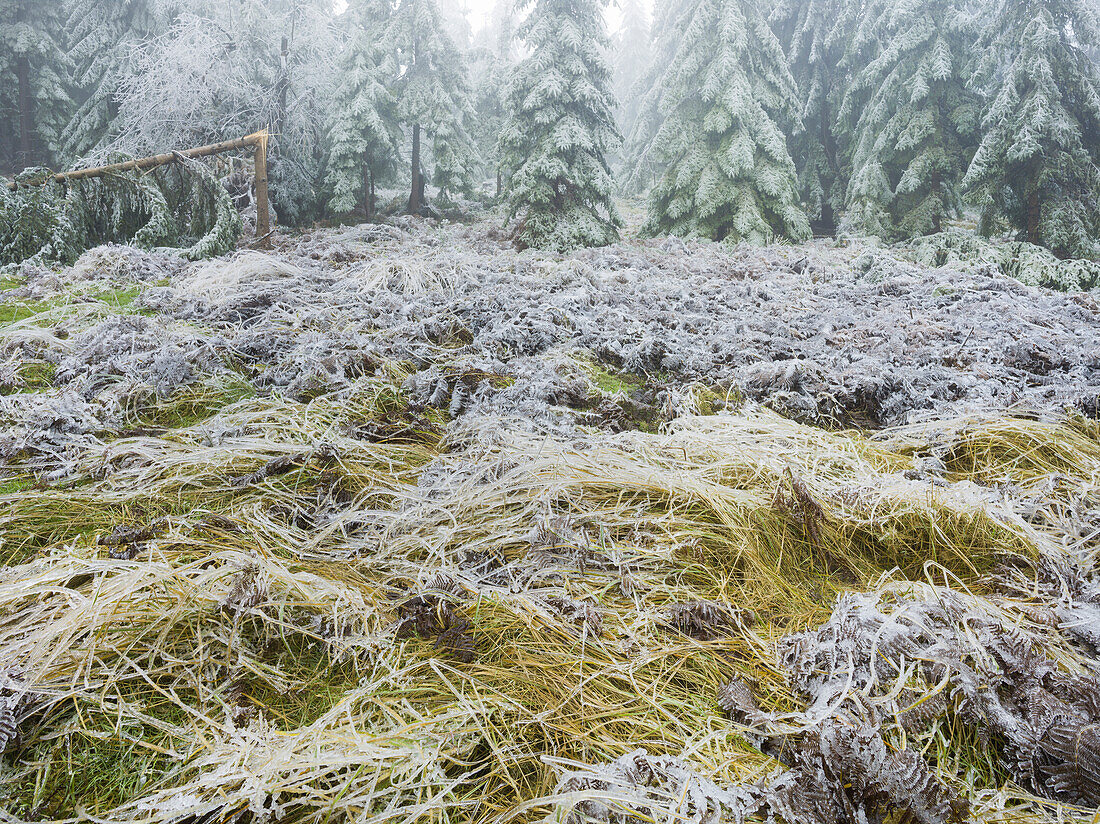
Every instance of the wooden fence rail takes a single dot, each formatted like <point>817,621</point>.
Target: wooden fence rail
<point>257,141</point>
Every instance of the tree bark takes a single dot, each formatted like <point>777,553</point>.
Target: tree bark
<point>368,191</point>
<point>937,219</point>
<point>414,195</point>
<point>1033,213</point>
<point>26,110</point>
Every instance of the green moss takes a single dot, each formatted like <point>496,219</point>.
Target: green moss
<point>610,383</point>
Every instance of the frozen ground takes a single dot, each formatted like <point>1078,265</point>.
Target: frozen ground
<point>835,337</point>
<point>392,522</point>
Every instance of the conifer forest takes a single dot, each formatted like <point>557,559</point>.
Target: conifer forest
<point>566,411</point>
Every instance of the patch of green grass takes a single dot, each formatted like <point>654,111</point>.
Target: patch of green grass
<point>119,298</point>
<point>20,310</point>
<point>319,685</point>
<point>18,483</point>
<point>97,764</point>
<point>7,284</point>
<point>96,772</point>
<point>35,376</point>
<point>122,300</point>
<point>195,405</point>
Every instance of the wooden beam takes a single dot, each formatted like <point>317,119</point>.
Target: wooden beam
<point>153,161</point>
<point>258,141</point>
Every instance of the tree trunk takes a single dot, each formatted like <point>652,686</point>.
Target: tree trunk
<point>1033,215</point>
<point>500,183</point>
<point>937,218</point>
<point>26,111</point>
<point>414,195</point>
<point>366,189</point>
<point>284,84</point>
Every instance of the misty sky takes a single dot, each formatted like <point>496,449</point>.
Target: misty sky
<point>481,9</point>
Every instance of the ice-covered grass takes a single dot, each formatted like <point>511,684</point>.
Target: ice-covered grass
<point>394,523</point>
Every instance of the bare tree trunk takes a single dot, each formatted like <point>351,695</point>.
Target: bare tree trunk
<point>500,183</point>
<point>368,191</point>
<point>1033,213</point>
<point>26,111</point>
<point>284,84</point>
<point>414,195</point>
<point>937,220</point>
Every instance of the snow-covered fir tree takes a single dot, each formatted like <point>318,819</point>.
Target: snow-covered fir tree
<point>641,165</point>
<point>364,135</point>
<point>490,72</point>
<point>433,94</point>
<point>560,130</point>
<point>1037,164</point>
<point>502,30</point>
<point>631,49</point>
<point>814,34</point>
<point>35,102</point>
<point>728,98</point>
<point>456,20</point>
<point>103,35</point>
<point>914,121</point>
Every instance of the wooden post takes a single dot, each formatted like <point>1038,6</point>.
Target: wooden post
<point>263,223</point>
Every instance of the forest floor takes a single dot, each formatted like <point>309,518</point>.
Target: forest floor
<point>394,523</point>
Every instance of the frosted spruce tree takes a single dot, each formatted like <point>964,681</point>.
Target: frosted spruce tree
<point>914,119</point>
<point>102,36</point>
<point>632,58</point>
<point>560,129</point>
<point>1036,165</point>
<point>432,94</point>
<point>728,97</point>
<point>814,35</point>
<point>34,83</point>
<point>641,165</point>
<point>364,135</point>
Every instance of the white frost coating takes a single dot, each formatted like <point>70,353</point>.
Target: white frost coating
<point>811,332</point>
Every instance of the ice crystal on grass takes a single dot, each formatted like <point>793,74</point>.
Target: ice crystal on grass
<point>403,497</point>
